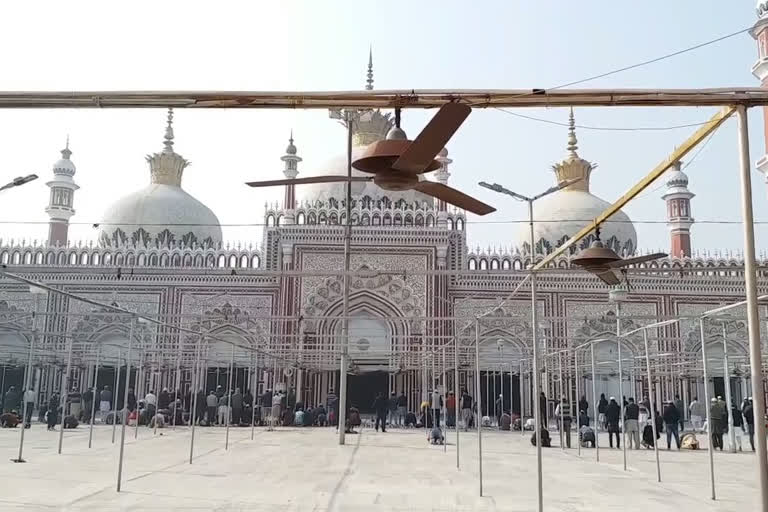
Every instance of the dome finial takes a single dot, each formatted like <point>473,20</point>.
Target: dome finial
<point>572,141</point>
<point>168,143</point>
<point>291,149</point>
<point>369,80</point>
<point>66,153</point>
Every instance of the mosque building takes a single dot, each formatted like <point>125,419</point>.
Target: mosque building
<point>160,252</point>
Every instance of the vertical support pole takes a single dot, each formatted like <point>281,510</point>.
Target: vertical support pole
<point>578,412</point>
<point>254,392</point>
<point>177,384</point>
<point>707,406</point>
<point>95,392</point>
<point>560,399</point>
<point>114,395</point>
<point>479,425</point>
<point>196,384</point>
<point>621,387</point>
<point>753,318</point>
<point>139,390</point>
<point>27,381</point>
<point>535,364</point>
<point>594,401</point>
<point>345,309</point>
<point>653,404</point>
<point>456,394</point>
<point>125,402</point>
<point>228,410</point>
<point>522,395</point>
<point>728,399</point>
<point>444,430</point>
<point>65,392</point>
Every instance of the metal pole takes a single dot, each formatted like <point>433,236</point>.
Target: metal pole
<point>139,390</point>
<point>753,319</point>
<point>623,436</point>
<point>176,387</point>
<point>114,396</point>
<point>444,430</point>
<point>479,423</point>
<point>534,331</point>
<point>522,395</point>
<point>560,400</point>
<point>728,400</point>
<point>578,412</point>
<point>95,392</point>
<point>345,320</point>
<point>254,391</point>
<point>707,406</point>
<point>64,393</point>
<point>594,401</point>
<point>27,380</point>
<point>196,382</point>
<point>124,419</point>
<point>456,395</point>
<point>228,409</point>
<point>653,405</point>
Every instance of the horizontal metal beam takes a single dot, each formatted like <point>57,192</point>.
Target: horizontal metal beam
<point>679,152</point>
<point>406,98</point>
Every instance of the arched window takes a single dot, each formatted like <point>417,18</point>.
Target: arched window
<point>62,259</point>
<point>232,261</point>
<point>387,220</point>
<point>49,258</point>
<point>176,260</point>
<point>460,224</point>
<point>39,258</point>
<point>300,218</point>
<point>376,220</point>
<point>243,261</point>
<point>163,260</point>
<point>187,260</point>
<point>72,258</point>
<point>84,258</point>
<point>419,220</point>
<point>255,262</point>
<point>142,260</point>
<point>96,259</point>
<point>430,221</point>
<point>311,218</point>
<point>366,220</point>
<point>408,220</point>
<point>494,264</point>
<point>108,259</point>
<point>153,260</point>
<point>210,261</point>
<point>119,260</point>
<point>270,220</point>
<point>472,264</point>
<point>398,220</point>
<point>450,223</point>
<point>279,220</point>
<point>222,261</point>
<point>483,264</point>
<point>333,218</point>
<point>199,260</point>
<point>505,265</point>
<point>27,258</point>
<point>322,219</point>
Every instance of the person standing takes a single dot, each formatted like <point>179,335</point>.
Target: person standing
<point>52,416</point>
<point>131,400</point>
<point>381,406</point>
<point>200,406</point>
<point>697,413</point>
<point>671,422</point>
<point>680,411</point>
<point>583,404</point>
<point>498,408</point>
<point>631,424</point>
<point>738,425</point>
<point>87,405</point>
<point>716,428</point>
<point>105,402</point>
<point>612,420</point>
<point>565,414</point>
<point>543,410</point>
<point>332,403</point>
<point>466,408</point>
<point>749,419</point>
<point>392,409</point>
<point>211,403</point>
<point>436,404</point>
<point>237,407</point>
<point>602,407</point>
<point>163,399</point>
<point>12,400</point>
<point>150,401</point>
<point>224,404</point>
<point>450,410</point>
<point>402,409</point>
<point>29,401</point>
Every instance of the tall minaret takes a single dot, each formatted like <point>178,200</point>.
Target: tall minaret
<point>679,219</point>
<point>760,69</point>
<point>60,203</point>
<point>369,79</point>
<point>290,171</point>
<point>442,175</point>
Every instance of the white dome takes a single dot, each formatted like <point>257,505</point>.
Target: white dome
<point>165,213</point>
<point>562,214</point>
<point>337,166</point>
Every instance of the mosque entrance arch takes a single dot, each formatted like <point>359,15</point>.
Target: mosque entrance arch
<point>14,353</point>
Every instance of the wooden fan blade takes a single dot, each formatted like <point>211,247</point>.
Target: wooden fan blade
<point>307,181</point>
<point>605,274</point>
<point>639,259</point>
<point>453,196</point>
<point>432,138</point>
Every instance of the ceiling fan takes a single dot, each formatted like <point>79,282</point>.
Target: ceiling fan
<point>398,164</point>
<point>602,261</point>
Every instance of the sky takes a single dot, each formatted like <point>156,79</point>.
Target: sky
<point>324,46</point>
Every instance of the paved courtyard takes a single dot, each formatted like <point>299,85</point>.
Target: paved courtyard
<point>305,470</point>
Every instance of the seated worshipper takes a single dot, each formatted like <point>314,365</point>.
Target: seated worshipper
<point>9,419</point>
<point>436,437</point>
<point>689,442</point>
<point>353,420</point>
<point>530,424</point>
<point>486,421</point>
<point>321,417</point>
<point>298,417</point>
<point>410,420</point>
<point>309,417</point>
<point>70,421</point>
<point>506,421</point>
<point>158,420</point>
<point>546,441</point>
<point>587,436</point>
<point>583,419</point>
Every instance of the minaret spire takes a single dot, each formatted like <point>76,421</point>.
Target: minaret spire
<point>369,80</point>
<point>572,141</point>
<point>168,142</point>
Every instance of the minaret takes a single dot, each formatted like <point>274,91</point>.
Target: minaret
<point>442,175</point>
<point>679,220</point>
<point>60,203</point>
<point>290,171</point>
<point>369,79</point>
<point>760,69</point>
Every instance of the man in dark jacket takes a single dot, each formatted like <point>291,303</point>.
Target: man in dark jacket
<point>131,400</point>
<point>200,406</point>
<point>163,399</point>
<point>237,407</point>
<point>87,405</point>
<point>671,422</point>
<point>738,425</point>
<point>612,419</point>
<point>543,409</point>
<point>381,406</point>
<point>402,408</point>
<point>718,419</point>
<point>466,409</point>
<point>631,424</point>
<point>602,406</point>
<point>749,419</point>
<point>680,406</point>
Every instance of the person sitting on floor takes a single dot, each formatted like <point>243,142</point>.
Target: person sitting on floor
<point>9,419</point>
<point>70,421</point>
<point>436,436</point>
<point>587,436</point>
<point>506,421</point>
<point>546,441</point>
<point>410,420</point>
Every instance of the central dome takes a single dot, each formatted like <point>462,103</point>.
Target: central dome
<point>162,212</point>
<point>562,214</point>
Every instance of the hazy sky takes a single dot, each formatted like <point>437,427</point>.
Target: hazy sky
<point>324,46</point>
